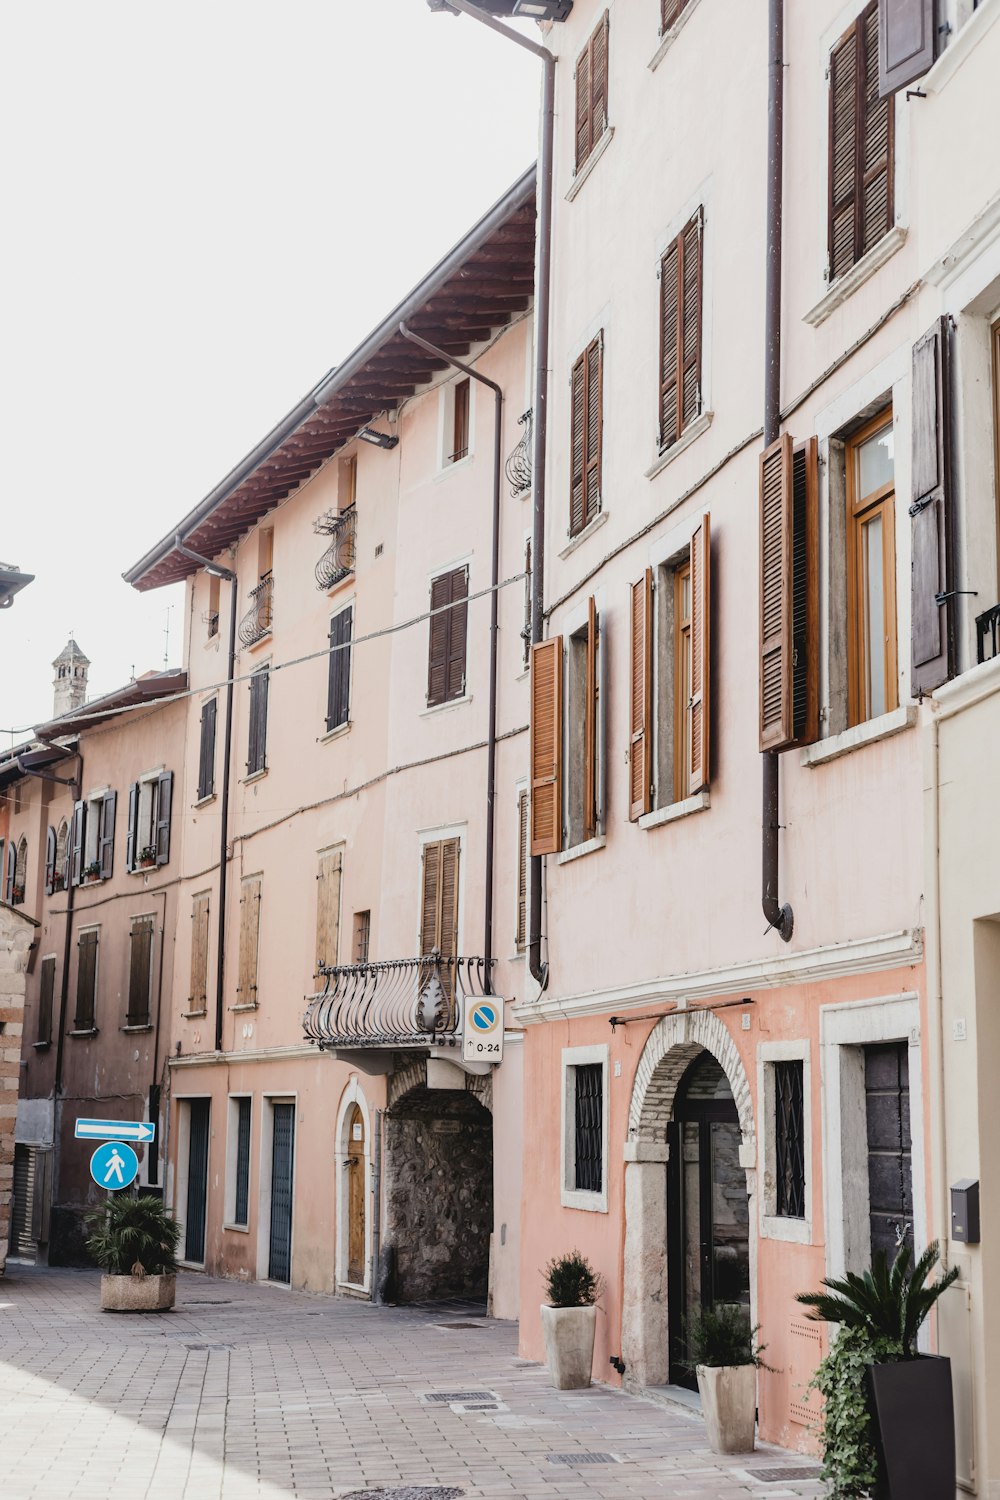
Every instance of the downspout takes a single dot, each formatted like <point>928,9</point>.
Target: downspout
<point>491,738</point>
<point>76,786</point>
<point>220,964</point>
<point>153,1170</point>
<point>778,916</point>
<point>539,971</point>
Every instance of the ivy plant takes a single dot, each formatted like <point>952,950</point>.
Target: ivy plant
<point>850,1466</point>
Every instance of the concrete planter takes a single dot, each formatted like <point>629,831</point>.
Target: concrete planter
<point>138,1293</point>
<point>729,1406</point>
<point>569,1344</point>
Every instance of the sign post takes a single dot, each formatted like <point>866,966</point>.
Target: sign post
<point>482,1037</point>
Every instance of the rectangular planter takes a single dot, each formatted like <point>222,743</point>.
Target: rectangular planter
<point>138,1293</point>
<point>914,1428</point>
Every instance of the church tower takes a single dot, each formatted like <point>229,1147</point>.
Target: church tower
<point>70,682</point>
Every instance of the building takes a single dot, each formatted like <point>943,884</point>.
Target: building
<point>346,781</point>
<point>17,943</point>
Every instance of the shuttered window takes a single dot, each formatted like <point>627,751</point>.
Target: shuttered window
<point>9,870</point>
<point>328,878</point>
<point>669,12</point>
<point>931,516</point>
<point>150,810</point>
<point>908,40</point>
<point>20,872</point>
<point>241,1210</point>
<point>257,742</point>
<point>546,746</point>
<point>640,696</point>
<point>872,687</point>
<point>680,332</point>
<point>789,595</point>
<point>87,945</point>
<point>338,692</point>
<point>46,989</point>
<point>206,751</point>
<point>460,420</point>
<point>140,970</point>
<point>679,616</point>
<point>250,897</point>
<point>586,436</point>
<point>50,860</point>
<point>362,936</point>
<point>861,146</point>
<point>592,92</point>
<point>584,731</point>
<point>439,903</point>
<point>106,834</point>
<point>200,914</point>
<point>448,635</point>
<point>521,931</point>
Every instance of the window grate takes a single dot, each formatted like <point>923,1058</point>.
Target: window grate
<point>789,1140</point>
<point>589,1127</point>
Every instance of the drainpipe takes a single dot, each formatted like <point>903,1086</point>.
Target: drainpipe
<point>376,1270</point>
<point>220,964</point>
<point>778,916</point>
<point>543,284</point>
<point>76,787</point>
<point>491,737</point>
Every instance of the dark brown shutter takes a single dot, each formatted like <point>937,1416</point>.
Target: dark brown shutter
<point>932,628</point>
<point>437,655</point>
<point>680,332</point>
<point>876,171</point>
<point>50,861</point>
<point>250,898</point>
<point>106,842</point>
<point>805,592</point>
<point>590,707</point>
<point>690,332</point>
<point>701,614</point>
<point>131,851</point>
<point>45,993</point>
<point>583,107</point>
<point>861,146</point>
<point>578,463</point>
<point>522,871</point>
<point>669,11</point>
<point>669,341</point>
<point>164,798</point>
<point>776,729</point>
<point>76,843</point>
<point>599,79</point>
<point>448,935</point>
<point>339,681</point>
<point>843,153</point>
<point>140,969</point>
<point>640,697</point>
<point>595,418</point>
<point>200,911</point>
<point>430,898</point>
<point>546,746</point>
<point>458,630</point>
<point>86,980</point>
<point>907,42</point>
<point>206,757</point>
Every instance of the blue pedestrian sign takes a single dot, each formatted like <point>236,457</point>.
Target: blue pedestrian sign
<point>115,1130</point>
<point>114,1165</point>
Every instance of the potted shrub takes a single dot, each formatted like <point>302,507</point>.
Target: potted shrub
<point>569,1319</point>
<point>134,1241</point>
<point>724,1354</point>
<point>58,880</point>
<point>888,1419</point>
<point>147,857</point>
<point>92,871</point>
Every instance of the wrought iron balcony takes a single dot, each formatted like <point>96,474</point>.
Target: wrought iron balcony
<point>256,623</point>
<point>988,634</point>
<point>405,1002</point>
<point>518,466</point>
<point>337,561</point>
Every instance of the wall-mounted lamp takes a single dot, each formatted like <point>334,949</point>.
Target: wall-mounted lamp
<point>543,10</point>
<point>377,439</point>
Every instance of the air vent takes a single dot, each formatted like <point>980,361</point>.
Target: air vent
<point>582,1458</point>
<point>784,1476</point>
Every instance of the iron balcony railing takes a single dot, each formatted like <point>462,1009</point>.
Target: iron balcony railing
<point>337,561</point>
<point>256,623</point>
<point>988,634</point>
<point>404,1002</point>
<point>518,466</point>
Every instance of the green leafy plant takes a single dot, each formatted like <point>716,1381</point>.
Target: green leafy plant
<point>850,1466</point>
<point>888,1302</point>
<point>571,1281</point>
<point>147,855</point>
<point>92,870</point>
<point>134,1236</point>
<point>722,1335</point>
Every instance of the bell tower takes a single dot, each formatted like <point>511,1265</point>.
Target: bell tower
<point>70,682</point>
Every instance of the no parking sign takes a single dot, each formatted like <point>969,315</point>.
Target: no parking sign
<point>482,1040</point>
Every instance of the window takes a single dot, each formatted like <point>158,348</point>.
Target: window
<point>861,147</point>
<point>439,897</point>
<point>206,750</point>
<point>592,92</point>
<point>338,692</point>
<point>238,1175</point>
<point>347,482</point>
<point>669,12</point>
<point>50,860</point>
<point>150,800</point>
<point>257,741</point>
<point>9,871</point>
<point>87,945</point>
<point>46,989</point>
<point>871,571</point>
<point>934,618</point>
<point>585,1129</point>
<point>328,878</point>
<point>995,348</point>
<point>140,970</point>
<point>212,616</point>
<point>680,332</point>
<point>586,439</point>
<point>786,1140</point>
<point>521,929</point>
<point>546,749</point>
<point>200,912</point>
<point>789,594</point>
<point>265,552</point>
<point>447,637</point>
<point>246,988</point>
<point>460,420</point>
<point>584,732</point>
<point>362,936</point>
<point>20,872</point>
<point>95,837</point>
<point>60,875</point>
<point>789,1141</point>
<point>589,1126</point>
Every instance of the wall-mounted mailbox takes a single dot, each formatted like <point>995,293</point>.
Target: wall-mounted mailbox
<point>965,1211</point>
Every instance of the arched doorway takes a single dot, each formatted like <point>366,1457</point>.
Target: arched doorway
<point>354,1196</point>
<point>353,1192</point>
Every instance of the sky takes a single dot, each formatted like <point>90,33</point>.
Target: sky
<point>207,205</point>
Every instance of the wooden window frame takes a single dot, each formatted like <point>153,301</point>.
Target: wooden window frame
<point>545,754</point>
<point>860,510</point>
<point>585,413</point>
<point>591,111</point>
<point>461,420</point>
<point>860,177</point>
<point>201,912</point>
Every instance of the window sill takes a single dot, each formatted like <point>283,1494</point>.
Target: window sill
<point>582,536</point>
<point>567,856</point>
<point>334,734</point>
<point>440,708</point>
<point>584,172</point>
<point>869,733</point>
<point>859,273</point>
<point>255,775</point>
<point>337,587</point>
<point>590,1203</point>
<point>692,431</point>
<point>141,870</point>
<point>262,640</point>
<point>670,36</point>
<point>675,810</point>
<point>251,1005</point>
<point>236,1228</point>
<point>41,1046</point>
<point>193,1015</point>
<point>954,55</point>
<point>792,1231</point>
<point>84,1031</point>
<point>204,801</point>
<point>144,1026</point>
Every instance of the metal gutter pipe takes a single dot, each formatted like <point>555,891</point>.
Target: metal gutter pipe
<point>491,737</point>
<point>543,289</point>
<point>227,756</point>
<point>76,787</point>
<point>779,917</point>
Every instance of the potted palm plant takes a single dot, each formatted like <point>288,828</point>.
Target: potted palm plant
<point>724,1353</point>
<point>569,1319</point>
<point>134,1241</point>
<point>889,1418</point>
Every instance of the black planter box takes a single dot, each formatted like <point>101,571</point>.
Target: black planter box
<point>914,1428</point>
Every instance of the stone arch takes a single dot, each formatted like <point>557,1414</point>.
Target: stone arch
<point>353,1094</point>
<point>671,1046</point>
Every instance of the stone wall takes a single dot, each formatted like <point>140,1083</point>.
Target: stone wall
<point>16,935</point>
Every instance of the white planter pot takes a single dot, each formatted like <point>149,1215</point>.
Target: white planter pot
<point>138,1293</point>
<point>569,1344</point>
<point>729,1406</point>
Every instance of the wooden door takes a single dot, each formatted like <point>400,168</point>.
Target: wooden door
<point>197,1183</point>
<point>282,1161</point>
<point>355,1168</point>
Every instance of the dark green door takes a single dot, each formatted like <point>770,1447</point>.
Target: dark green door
<point>197,1184</point>
<point>282,1160</point>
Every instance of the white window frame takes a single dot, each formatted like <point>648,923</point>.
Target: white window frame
<point>232,1160</point>
<point>775,1226</point>
<point>446,424</point>
<point>147,811</point>
<point>426,836</point>
<point>92,815</point>
<point>571,1196</point>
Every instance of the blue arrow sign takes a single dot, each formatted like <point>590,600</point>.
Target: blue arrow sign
<point>114,1165</point>
<point>114,1130</point>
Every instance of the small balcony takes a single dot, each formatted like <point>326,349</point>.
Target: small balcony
<point>404,1003</point>
<point>337,561</point>
<point>988,634</point>
<point>518,466</point>
<point>256,623</point>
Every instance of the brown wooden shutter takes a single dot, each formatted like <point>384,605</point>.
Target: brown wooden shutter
<point>843,169</point>
<point>907,42</point>
<point>932,624</point>
<point>86,980</point>
<point>9,873</point>
<point>45,993</point>
<point>805,592</point>
<point>437,654</point>
<point>595,419</point>
<point>77,840</point>
<point>328,908</point>
<point>578,462</point>
<point>448,931</point>
<point>701,615</point>
<point>877,113</point>
<point>669,341</point>
<point>458,632</point>
<point>583,107</point>
<point>140,970</point>
<point>200,908</point>
<point>599,79</point>
<point>640,697</point>
<point>250,898</point>
<point>522,871</point>
<point>776,728</point>
<point>430,902</point>
<point>690,332</point>
<point>546,746</point>
<point>206,754</point>
<point>590,708</point>
<point>338,694</point>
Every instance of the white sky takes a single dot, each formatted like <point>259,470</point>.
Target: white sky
<point>207,204</point>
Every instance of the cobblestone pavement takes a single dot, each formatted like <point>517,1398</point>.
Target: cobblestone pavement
<point>254,1391</point>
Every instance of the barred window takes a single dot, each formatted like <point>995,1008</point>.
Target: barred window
<point>241,1216</point>
<point>589,1127</point>
<point>789,1139</point>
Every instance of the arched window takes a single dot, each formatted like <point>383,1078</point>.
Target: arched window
<point>20,871</point>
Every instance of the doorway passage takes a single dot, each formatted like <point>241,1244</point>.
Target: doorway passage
<point>196,1198</point>
<point>354,1170</point>
<point>279,1261</point>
